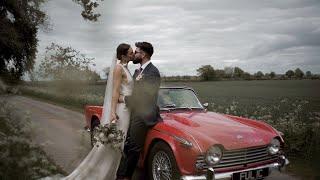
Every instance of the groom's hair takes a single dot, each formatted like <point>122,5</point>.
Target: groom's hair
<point>122,49</point>
<point>146,47</point>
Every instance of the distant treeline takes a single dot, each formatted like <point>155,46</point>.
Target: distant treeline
<point>208,73</point>
<point>205,73</point>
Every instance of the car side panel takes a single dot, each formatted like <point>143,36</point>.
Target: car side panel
<point>185,157</point>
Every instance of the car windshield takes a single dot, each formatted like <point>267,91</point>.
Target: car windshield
<point>178,98</point>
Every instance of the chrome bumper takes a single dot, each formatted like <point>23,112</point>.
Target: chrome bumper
<point>211,175</point>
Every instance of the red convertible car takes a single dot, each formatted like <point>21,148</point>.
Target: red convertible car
<point>193,143</point>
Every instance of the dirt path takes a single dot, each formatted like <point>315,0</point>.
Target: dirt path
<point>60,132</point>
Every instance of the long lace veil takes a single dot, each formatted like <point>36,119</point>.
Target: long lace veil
<point>105,119</point>
<point>93,166</point>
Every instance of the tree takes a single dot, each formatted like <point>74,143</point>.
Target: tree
<point>259,75</point>
<point>33,76</point>
<point>66,64</point>
<point>272,75</point>
<point>206,72</point>
<point>238,72</point>
<point>246,76</point>
<point>228,72</point>
<point>19,22</point>
<point>219,73</point>
<point>93,76</point>
<point>289,73</point>
<point>308,74</point>
<point>88,9</point>
<point>298,73</point>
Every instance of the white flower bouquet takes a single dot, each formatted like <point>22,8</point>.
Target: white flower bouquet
<point>108,134</point>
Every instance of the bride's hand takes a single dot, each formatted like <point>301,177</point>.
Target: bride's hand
<point>114,117</point>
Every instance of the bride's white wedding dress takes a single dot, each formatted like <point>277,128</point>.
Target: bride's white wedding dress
<point>102,162</point>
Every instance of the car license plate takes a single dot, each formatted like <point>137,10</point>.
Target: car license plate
<point>251,175</point>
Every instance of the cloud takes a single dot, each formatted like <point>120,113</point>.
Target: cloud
<point>255,35</point>
<point>288,34</point>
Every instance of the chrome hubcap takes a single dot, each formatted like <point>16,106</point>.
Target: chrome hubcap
<point>161,167</point>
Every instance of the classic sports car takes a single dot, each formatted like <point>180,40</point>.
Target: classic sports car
<point>192,143</point>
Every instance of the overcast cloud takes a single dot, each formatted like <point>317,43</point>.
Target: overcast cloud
<point>266,35</point>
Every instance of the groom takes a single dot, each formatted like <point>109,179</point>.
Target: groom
<point>143,106</point>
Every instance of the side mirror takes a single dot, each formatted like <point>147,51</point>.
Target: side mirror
<point>206,105</point>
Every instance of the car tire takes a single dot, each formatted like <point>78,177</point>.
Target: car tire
<point>94,123</point>
<point>167,169</point>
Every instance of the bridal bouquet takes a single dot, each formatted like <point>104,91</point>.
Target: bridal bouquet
<point>108,134</point>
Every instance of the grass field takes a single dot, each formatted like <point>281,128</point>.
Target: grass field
<point>253,93</point>
<point>246,93</point>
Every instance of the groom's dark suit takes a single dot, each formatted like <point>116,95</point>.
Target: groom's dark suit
<point>144,114</point>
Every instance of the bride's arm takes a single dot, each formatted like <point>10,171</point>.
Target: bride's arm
<point>117,77</point>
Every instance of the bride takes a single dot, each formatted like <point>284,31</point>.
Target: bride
<point>102,162</point>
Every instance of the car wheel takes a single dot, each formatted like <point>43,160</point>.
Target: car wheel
<point>94,123</point>
<point>162,163</point>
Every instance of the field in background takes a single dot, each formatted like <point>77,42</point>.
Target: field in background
<point>247,93</point>
<point>291,106</point>
<point>252,93</point>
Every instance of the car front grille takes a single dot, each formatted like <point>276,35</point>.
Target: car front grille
<point>239,157</point>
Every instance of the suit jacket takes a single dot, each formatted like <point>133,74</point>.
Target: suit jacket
<point>143,101</point>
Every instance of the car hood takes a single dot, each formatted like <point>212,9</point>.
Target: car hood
<point>209,128</point>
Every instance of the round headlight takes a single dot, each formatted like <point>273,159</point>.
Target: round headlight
<point>274,147</point>
<point>213,155</point>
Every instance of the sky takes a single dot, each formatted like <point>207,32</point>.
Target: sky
<point>255,35</point>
